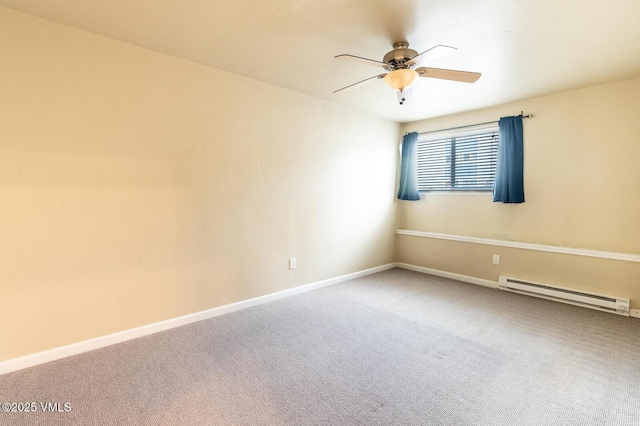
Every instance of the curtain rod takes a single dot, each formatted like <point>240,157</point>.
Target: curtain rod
<point>471,125</point>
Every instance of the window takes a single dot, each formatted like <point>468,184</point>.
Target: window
<point>463,161</point>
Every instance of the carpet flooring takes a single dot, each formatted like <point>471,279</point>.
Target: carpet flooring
<point>394,348</point>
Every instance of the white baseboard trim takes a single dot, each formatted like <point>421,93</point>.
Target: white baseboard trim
<point>634,313</point>
<point>20,363</point>
<point>453,276</point>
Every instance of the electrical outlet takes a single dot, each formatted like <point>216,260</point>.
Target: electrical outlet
<point>496,259</point>
<point>292,263</point>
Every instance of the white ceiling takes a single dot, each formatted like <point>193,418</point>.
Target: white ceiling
<point>524,48</point>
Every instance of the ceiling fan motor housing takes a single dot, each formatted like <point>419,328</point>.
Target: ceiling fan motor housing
<point>399,56</point>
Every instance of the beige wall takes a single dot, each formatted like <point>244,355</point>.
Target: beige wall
<point>136,187</point>
<point>582,190</point>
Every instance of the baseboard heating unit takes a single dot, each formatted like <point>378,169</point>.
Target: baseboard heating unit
<point>601,302</point>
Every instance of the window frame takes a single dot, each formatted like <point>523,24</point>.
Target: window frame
<point>487,147</point>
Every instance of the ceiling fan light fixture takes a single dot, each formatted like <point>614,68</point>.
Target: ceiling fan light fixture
<point>400,79</point>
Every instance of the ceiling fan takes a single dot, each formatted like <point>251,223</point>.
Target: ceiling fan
<point>400,66</point>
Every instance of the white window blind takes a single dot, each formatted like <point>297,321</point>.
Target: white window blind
<point>458,161</point>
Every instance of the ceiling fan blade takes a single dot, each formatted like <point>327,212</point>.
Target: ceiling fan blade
<point>358,84</point>
<point>434,53</point>
<point>463,76</point>
<point>360,60</point>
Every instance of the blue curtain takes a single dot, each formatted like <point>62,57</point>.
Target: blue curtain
<point>408,169</point>
<point>509,184</point>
